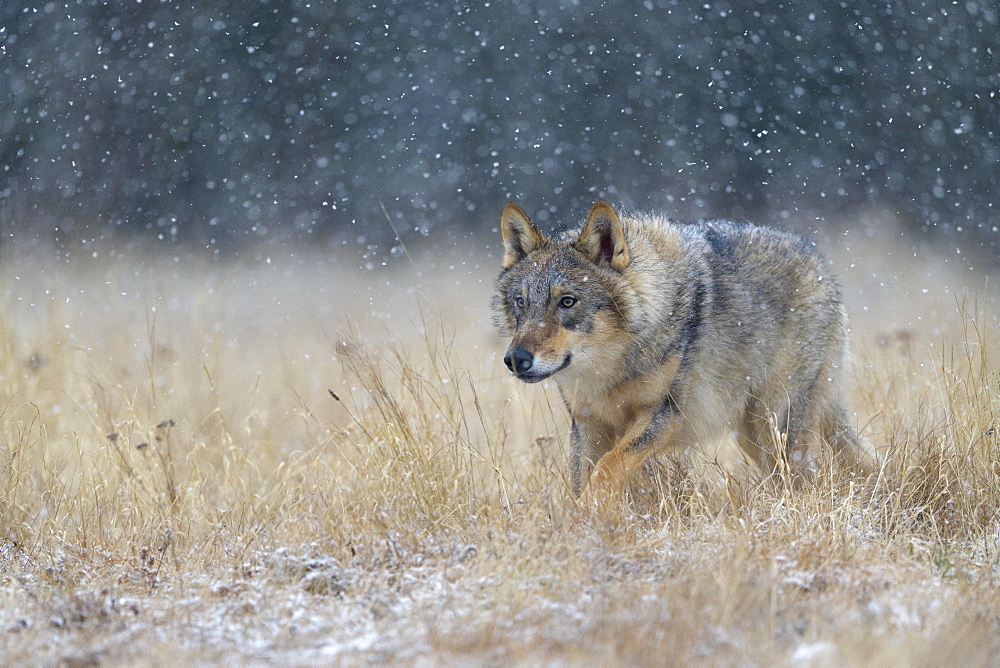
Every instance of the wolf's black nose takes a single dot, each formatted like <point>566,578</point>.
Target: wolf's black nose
<point>518,360</point>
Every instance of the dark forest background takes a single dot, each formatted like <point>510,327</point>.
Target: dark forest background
<point>223,123</point>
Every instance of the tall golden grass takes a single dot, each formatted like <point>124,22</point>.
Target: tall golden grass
<point>289,460</point>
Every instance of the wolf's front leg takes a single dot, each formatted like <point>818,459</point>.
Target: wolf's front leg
<point>648,434</point>
<point>589,445</point>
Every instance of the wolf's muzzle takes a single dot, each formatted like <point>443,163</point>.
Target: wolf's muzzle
<point>519,360</point>
<point>521,363</point>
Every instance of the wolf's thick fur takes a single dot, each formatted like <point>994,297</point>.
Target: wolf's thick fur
<point>662,334</point>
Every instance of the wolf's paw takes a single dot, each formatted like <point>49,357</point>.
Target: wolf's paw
<point>587,501</point>
<point>597,497</point>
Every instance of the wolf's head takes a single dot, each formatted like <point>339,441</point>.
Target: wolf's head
<point>560,300</point>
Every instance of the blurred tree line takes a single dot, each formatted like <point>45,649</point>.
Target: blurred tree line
<point>219,123</point>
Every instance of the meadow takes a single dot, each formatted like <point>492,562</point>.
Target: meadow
<point>305,458</point>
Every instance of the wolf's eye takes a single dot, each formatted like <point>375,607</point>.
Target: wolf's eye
<point>519,302</point>
<point>567,301</point>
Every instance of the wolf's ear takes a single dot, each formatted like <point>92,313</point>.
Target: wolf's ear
<point>520,236</point>
<point>603,239</point>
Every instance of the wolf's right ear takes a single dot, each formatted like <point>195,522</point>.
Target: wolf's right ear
<point>520,236</point>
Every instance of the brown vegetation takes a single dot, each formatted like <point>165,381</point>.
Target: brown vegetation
<point>279,461</point>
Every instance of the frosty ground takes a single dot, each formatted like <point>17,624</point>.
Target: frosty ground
<point>290,458</point>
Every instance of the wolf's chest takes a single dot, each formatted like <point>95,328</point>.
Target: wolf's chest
<point>614,408</point>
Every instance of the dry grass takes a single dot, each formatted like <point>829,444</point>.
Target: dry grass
<point>282,461</point>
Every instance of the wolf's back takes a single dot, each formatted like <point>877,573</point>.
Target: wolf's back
<point>735,273</point>
<point>750,309</point>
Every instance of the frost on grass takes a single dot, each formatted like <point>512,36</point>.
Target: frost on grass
<point>248,466</point>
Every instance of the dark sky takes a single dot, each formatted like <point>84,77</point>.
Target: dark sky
<point>223,123</point>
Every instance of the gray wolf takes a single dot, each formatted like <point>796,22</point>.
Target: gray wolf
<point>663,335</point>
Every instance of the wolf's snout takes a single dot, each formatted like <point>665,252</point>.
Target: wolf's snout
<point>519,360</point>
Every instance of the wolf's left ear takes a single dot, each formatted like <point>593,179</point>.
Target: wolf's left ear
<point>520,236</point>
<point>603,239</point>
